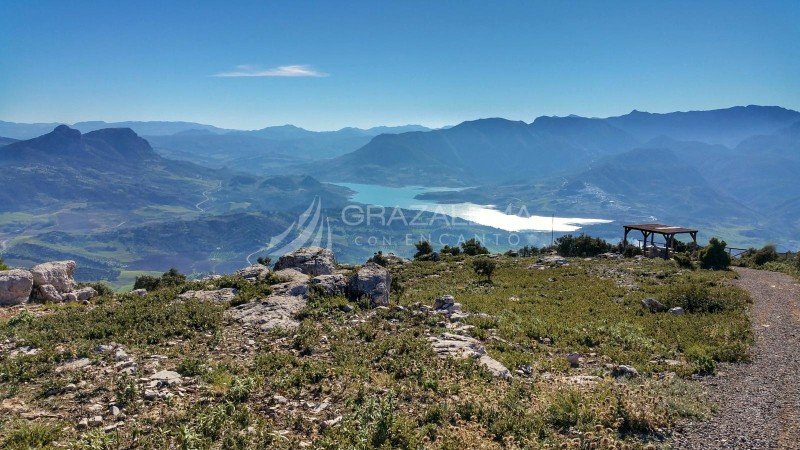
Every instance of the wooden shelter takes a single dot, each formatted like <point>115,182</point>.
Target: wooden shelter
<point>649,230</point>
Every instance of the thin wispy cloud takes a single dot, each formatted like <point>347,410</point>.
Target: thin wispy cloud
<point>297,70</point>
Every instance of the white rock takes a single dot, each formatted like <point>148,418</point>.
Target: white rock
<point>308,260</point>
<point>371,281</point>
<point>15,286</point>
<point>676,311</point>
<point>58,273</point>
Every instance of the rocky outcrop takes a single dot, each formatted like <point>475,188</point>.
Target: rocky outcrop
<point>311,261</point>
<point>15,286</point>
<point>288,298</point>
<point>371,281</point>
<point>256,272</point>
<point>217,296</point>
<point>59,274</point>
<point>277,311</point>
<point>335,284</point>
<point>463,347</point>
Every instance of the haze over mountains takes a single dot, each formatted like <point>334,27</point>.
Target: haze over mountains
<point>114,195</point>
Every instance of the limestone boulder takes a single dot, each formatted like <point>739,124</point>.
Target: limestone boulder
<point>59,274</point>
<point>311,261</point>
<point>371,281</point>
<point>48,293</point>
<point>335,284</point>
<point>15,286</point>
<point>254,273</point>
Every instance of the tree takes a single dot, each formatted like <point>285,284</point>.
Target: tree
<point>713,256</point>
<point>264,260</point>
<point>473,247</point>
<point>582,246</point>
<point>423,249</point>
<point>447,250</point>
<point>172,278</point>
<point>147,282</point>
<point>2,265</point>
<point>485,267</point>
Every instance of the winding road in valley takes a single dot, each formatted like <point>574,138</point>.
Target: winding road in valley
<point>758,403</point>
<point>207,196</point>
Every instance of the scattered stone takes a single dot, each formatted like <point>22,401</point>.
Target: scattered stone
<point>120,355</point>
<point>371,281</point>
<point>218,296</point>
<point>70,297</point>
<point>331,422</point>
<point>114,411</point>
<point>56,273</point>
<point>139,292</point>
<point>96,421</point>
<point>444,302</point>
<point>165,378</point>
<point>15,286</point>
<point>624,371</point>
<point>82,424</point>
<point>75,364</point>
<point>150,394</point>
<point>347,308</point>
<point>462,347</point>
<point>574,359</point>
<point>553,261</point>
<point>311,261</point>
<point>676,311</point>
<point>653,305</point>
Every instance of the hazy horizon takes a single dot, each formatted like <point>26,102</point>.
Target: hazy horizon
<point>249,65</point>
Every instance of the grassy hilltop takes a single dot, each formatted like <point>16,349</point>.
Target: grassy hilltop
<point>354,377</point>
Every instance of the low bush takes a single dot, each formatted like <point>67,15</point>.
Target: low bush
<point>581,246</point>
<point>485,267</point>
<point>423,249</point>
<point>3,266</point>
<point>714,257</point>
<point>683,260</point>
<point>473,247</point>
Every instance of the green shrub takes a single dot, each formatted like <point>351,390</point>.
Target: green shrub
<point>2,265</point>
<point>264,260</point>
<point>170,278</point>
<point>485,267</point>
<point>29,435</point>
<point>683,260</point>
<point>797,261</point>
<point>379,259</point>
<point>125,391</point>
<point>581,246</point>
<point>423,249</point>
<point>473,247</point>
<point>764,255</point>
<point>701,359</point>
<point>713,256</point>
<point>447,250</point>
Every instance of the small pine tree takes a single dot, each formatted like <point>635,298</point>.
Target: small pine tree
<point>379,259</point>
<point>423,249</point>
<point>474,247</point>
<point>485,267</point>
<point>713,256</point>
<point>2,265</point>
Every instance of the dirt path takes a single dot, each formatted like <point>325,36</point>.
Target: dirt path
<point>758,403</point>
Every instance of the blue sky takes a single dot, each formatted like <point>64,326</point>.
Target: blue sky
<point>380,62</point>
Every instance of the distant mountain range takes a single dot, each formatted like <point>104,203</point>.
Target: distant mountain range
<point>115,198</point>
<point>493,150</point>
